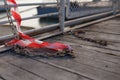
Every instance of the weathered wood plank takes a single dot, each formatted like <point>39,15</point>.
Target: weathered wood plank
<point>100,55</point>
<point>81,67</point>
<point>106,28</point>
<point>84,69</point>
<point>109,62</point>
<point>109,55</point>
<point>101,64</point>
<point>103,50</point>
<point>102,36</point>
<point>110,26</point>
<point>78,42</point>
<point>106,58</point>
<point>9,72</point>
<point>45,70</point>
<point>93,60</point>
<point>2,78</point>
<point>99,36</point>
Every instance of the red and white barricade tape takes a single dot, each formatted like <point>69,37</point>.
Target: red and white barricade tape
<point>27,41</point>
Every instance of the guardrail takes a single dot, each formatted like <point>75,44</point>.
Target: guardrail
<point>77,8</point>
<point>61,5</point>
<point>33,17</point>
<point>70,6</point>
<point>31,4</point>
<point>27,4</point>
<point>60,13</point>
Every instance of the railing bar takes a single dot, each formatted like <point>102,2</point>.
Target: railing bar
<point>27,4</point>
<point>41,16</point>
<point>37,16</point>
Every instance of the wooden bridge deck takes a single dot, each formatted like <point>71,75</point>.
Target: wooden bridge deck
<point>93,62</point>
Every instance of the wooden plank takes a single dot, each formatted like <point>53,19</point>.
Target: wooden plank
<point>82,68</point>
<point>93,60</point>
<point>79,66</point>
<point>102,63</point>
<point>45,70</point>
<point>75,41</point>
<point>102,36</point>
<point>2,78</point>
<point>110,26</point>
<point>103,50</point>
<point>100,31</point>
<point>101,28</point>
<point>109,55</point>
<point>100,55</point>
<point>9,72</point>
<point>110,45</point>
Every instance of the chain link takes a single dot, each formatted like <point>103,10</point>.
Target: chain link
<point>77,32</point>
<point>44,52</point>
<point>13,27</point>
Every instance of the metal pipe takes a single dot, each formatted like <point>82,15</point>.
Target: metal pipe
<point>62,14</point>
<point>36,16</point>
<point>32,32</point>
<point>86,19</point>
<point>114,5</point>
<point>27,4</point>
<point>92,22</point>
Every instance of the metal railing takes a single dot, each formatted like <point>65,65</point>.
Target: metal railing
<point>30,4</point>
<point>77,8</point>
<point>74,8</point>
<point>60,15</point>
<point>68,9</point>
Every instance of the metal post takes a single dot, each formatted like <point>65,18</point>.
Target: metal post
<point>119,5</point>
<point>67,8</point>
<point>114,3</point>
<point>62,14</point>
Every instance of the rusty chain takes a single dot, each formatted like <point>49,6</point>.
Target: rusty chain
<point>13,27</point>
<point>77,32</point>
<point>44,52</point>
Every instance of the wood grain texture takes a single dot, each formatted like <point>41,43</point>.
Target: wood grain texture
<point>45,70</point>
<point>9,72</point>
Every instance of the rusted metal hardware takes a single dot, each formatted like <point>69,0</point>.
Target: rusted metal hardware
<point>44,52</point>
<point>77,33</point>
<point>13,27</point>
